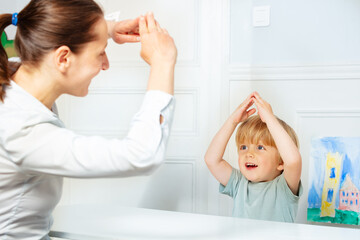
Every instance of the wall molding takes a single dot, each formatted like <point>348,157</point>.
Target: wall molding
<point>169,161</point>
<point>324,113</point>
<point>301,72</point>
<point>194,62</point>
<point>192,162</point>
<point>334,113</point>
<point>194,131</point>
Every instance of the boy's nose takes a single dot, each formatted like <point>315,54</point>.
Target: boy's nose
<point>250,154</point>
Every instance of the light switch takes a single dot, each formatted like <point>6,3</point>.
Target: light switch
<point>261,16</point>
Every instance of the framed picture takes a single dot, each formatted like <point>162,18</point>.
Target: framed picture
<point>334,173</point>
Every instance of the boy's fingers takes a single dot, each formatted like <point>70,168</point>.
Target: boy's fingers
<point>142,26</point>
<point>247,104</point>
<point>251,112</point>
<point>257,96</point>
<point>258,100</point>
<point>250,96</point>
<point>151,22</point>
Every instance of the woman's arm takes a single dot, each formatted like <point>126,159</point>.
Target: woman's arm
<point>159,51</point>
<point>41,144</point>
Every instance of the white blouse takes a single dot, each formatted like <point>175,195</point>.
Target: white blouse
<point>37,151</point>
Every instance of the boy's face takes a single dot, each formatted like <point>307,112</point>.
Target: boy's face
<point>259,162</point>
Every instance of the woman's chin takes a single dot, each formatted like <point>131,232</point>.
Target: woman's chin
<point>83,93</point>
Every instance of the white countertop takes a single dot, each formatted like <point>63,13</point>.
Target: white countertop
<point>90,222</point>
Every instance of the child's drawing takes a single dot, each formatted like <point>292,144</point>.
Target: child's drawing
<point>8,45</point>
<point>334,195</point>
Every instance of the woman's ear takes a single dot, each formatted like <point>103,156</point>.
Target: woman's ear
<point>62,58</point>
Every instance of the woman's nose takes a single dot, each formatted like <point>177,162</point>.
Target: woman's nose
<point>105,62</point>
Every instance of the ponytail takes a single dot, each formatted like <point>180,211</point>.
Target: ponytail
<point>5,20</point>
<point>45,25</point>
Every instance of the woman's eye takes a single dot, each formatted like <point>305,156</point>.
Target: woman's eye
<point>260,147</point>
<point>243,147</point>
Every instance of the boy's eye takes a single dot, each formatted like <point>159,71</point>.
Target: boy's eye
<point>261,147</point>
<point>243,147</point>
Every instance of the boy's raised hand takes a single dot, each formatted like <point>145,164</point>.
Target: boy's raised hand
<point>243,112</point>
<point>264,108</point>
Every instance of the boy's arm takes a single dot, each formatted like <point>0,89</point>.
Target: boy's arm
<point>219,168</point>
<point>288,150</point>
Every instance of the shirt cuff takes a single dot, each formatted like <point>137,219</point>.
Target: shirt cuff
<point>156,100</point>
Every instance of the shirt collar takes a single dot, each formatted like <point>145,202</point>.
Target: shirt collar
<point>26,101</point>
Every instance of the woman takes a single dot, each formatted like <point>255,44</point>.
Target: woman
<point>61,45</point>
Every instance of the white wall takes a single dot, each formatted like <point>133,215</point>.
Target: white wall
<point>306,64</point>
<point>300,33</point>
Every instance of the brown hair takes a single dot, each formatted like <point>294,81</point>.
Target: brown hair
<point>44,25</point>
<point>254,130</point>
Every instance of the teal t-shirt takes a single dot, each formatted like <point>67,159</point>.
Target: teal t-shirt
<point>271,200</point>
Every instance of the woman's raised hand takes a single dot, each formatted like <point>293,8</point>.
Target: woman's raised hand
<point>157,46</point>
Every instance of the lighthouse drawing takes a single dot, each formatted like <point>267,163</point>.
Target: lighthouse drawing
<point>331,184</point>
<point>334,180</point>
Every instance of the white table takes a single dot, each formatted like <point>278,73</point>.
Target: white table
<point>89,222</point>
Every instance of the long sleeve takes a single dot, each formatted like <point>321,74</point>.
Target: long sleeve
<point>49,148</point>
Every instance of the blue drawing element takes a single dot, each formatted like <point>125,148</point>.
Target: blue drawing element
<point>332,173</point>
<point>330,195</point>
<point>314,199</point>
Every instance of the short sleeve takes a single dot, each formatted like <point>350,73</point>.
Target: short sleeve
<point>289,194</point>
<point>233,184</point>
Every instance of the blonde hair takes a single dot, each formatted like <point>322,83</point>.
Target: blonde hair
<point>254,130</point>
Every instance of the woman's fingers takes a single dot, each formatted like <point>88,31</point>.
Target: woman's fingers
<point>158,26</point>
<point>151,22</point>
<point>143,26</point>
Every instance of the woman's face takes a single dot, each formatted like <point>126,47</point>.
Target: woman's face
<point>88,63</point>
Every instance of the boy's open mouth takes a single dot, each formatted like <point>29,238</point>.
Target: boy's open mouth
<point>250,165</point>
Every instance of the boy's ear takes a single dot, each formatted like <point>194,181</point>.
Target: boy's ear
<point>62,58</point>
<point>280,167</point>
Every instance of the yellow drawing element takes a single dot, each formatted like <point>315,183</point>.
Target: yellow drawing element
<point>331,184</point>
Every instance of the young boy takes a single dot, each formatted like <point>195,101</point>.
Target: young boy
<point>268,184</point>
